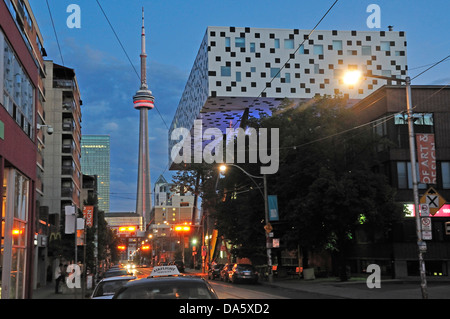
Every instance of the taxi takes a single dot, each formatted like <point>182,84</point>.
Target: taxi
<point>166,282</point>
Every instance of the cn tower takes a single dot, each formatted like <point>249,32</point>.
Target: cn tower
<point>143,101</point>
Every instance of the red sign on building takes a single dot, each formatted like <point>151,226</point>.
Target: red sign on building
<point>88,214</point>
<point>426,155</point>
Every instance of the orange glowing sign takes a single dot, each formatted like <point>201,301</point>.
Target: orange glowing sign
<point>121,247</point>
<point>16,232</point>
<point>127,228</point>
<point>182,228</point>
<point>146,247</point>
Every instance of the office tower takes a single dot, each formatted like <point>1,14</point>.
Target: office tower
<point>95,160</point>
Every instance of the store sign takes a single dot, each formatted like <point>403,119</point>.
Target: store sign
<point>88,215</point>
<point>426,155</point>
<point>444,211</point>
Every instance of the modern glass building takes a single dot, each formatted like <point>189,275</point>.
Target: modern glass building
<point>95,160</point>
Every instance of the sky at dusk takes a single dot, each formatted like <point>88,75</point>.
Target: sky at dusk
<point>174,31</point>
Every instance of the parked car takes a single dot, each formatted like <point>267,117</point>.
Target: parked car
<point>214,271</point>
<point>224,272</point>
<point>107,287</point>
<point>115,272</point>
<point>243,272</point>
<point>179,264</point>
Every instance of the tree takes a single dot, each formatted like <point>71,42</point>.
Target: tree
<point>328,180</point>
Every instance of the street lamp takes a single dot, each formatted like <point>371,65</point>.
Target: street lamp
<point>266,211</point>
<point>351,78</point>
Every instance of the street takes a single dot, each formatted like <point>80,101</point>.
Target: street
<point>319,289</point>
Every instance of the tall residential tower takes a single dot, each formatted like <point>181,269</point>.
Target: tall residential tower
<point>143,101</point>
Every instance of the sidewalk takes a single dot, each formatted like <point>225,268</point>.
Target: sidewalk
<point>48,292</point>
<point>357,288</point>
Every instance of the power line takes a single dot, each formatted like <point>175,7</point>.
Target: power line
<point>56,35</point>
<point>128,57</point>
<point>298,48</point>
<point>448,56</point>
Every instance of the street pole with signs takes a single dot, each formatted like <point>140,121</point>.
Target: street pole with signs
<point>353,77</point>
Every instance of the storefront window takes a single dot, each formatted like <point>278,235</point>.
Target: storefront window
<point>15,204</point>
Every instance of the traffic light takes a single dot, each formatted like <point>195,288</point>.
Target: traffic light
<point>182,228</point>
<point>447,228</point>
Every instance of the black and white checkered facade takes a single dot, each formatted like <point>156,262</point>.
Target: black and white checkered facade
<point>238,68</point>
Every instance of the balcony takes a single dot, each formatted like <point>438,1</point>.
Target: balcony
<point>67,149</point>
<point>66,192</point>
<point>67,127</point>
<point>63,84</point>
<point>67,170</point>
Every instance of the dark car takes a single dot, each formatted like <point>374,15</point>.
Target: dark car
<point>243,272</point>
<point>106,288</point>
<point>224,272</point>
<point>179,264</point>
<point>115,272</point>
<point>170,287</point>
<point>214,271</point>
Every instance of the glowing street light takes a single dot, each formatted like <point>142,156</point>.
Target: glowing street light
<point>352,77</point>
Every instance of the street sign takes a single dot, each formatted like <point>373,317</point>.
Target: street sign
<point>268,228</point>
<point>426,235</point>
<point>424,210</point>
<point>433,199</point>
<point>276,243</point>
<point>426,224</point>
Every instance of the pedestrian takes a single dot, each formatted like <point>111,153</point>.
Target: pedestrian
<point>58,276</point>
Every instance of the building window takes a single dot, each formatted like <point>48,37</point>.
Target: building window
<point>316,69</point>
<point>366,50</point>
<point>288,43</point>
<point>318,49</point>
<point>445,169</point>
<point>337,45</point>
<point>227,42</point>
<point>423,123</point>
<point>276,43</point>
<point>404,176</point>
<point>385,46</point>
<point>287,77</point>
<point>238,76</point>
<point>239,42</point>
<point>15,225</point>
<point>252,46</point>
<point>225,71</point>
<point>18,90</point>
<point>274,72</point>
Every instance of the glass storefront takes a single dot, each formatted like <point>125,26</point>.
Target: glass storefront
<point>15,207</point>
